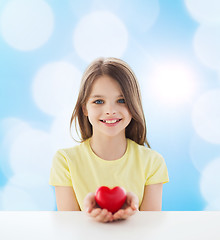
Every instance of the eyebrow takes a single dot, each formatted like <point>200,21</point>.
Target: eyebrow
<point>101,96</point>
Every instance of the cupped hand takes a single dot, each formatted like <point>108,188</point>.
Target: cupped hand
<point>94,211</point>
<point>129,208</point>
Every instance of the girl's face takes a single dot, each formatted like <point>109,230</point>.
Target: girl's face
<point>106,108</point>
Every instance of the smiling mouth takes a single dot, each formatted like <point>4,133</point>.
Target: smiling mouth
<point>111,121</point>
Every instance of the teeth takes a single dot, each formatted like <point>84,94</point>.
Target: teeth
<point>113,121</point>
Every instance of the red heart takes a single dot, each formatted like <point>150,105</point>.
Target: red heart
<point>110,199</point>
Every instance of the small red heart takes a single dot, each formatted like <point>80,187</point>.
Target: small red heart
<point>110,199</point>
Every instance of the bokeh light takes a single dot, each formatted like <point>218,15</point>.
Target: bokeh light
<point>172,83</point>
<point>148,13</point>
<point>202,152</point>
<point>60,130</point>
<point>206,45</point>
<point>23,195</point>
<point>204,11</point>
<point>98,34</point>
<point>214,205</point>
<point>210,182</point>
<point>30,151</point>
<point>55,87</point>
<point>17,199</point>
<point>206,116</point>
<point>27,24</point>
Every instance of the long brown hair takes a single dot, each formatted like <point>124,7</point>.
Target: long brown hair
<point>122,73</point>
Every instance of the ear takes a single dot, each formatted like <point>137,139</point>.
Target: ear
<point>84,110</point>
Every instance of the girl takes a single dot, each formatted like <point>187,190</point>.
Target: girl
<point>113,151</point>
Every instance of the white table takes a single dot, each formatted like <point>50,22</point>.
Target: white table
<point>79,226</point>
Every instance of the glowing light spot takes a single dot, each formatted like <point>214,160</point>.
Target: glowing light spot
<point>172,83</point>
<point>213,205</point>
<point>60,131</point>
<point>146,12</point>
<point>12,127</point>
<point>205,11</point>
<point>100,34</point>
<point>26,197</point>
<point>206,45</point>
<point>31,151</point>
<point>210,182</point>
<point>206,116</point>
<point>55,87</point>
<point>202,152</point>
<point>27,24</point>
<point>17,199</point>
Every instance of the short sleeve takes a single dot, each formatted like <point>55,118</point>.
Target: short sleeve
<point>158,172</point>
<point>60,174</point>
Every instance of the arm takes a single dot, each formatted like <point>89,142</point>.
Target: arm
<point>152,200</point>
<point>66,199</point>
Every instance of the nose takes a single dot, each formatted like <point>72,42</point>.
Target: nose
<point>110,109</point>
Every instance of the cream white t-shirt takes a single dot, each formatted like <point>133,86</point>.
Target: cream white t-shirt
<point>82,169</point>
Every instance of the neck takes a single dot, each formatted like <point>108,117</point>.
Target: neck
<point>108,148</point>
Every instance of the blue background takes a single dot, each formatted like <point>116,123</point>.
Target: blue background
<point>170,126</point>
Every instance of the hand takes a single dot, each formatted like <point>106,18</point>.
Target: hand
<point>92,208</point>
<point>129,208</point>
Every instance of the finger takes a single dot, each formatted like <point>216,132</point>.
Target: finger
<point>108,217</point>
<point>125,214</point>
<point>129,198</point>
<point>132,200</point>
<point>95,212</point>
<point>134,206</point>
<point>118,215</point>
<point>133,211</point>
<point>129,212</point>
<point>102,216</point>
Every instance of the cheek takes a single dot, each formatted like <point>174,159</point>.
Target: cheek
<point>127,113</point>
<point>93,113</point>
<point>129,117</point>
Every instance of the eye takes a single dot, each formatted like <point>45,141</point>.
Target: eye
<point>121,100</point>
<point>98,101</point>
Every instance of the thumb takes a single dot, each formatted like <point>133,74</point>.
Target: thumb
<point>134,205</point>
<point>89,202</point>
<point>133,200</point>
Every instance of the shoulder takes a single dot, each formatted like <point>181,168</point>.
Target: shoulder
<point>151,163</point>
<point>71,152</point>
<point>145,153</point>
<point>141,149</point>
